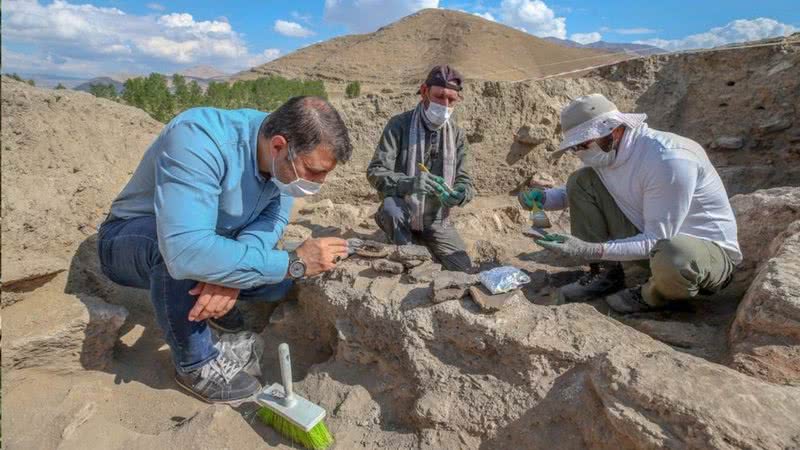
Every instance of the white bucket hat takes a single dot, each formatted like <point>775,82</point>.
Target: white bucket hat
<point>591,117</point>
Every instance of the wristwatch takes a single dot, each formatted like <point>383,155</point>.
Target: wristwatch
<point>297,268</point>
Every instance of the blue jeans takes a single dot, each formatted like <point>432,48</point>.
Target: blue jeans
<point>129,256</point>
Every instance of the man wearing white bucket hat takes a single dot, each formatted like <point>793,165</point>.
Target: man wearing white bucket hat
<point>643,194</point>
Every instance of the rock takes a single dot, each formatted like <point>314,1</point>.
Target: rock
<point>411,254</point>
<point>373,249</point>
<point>451,279</point>
<point>774,125</point>
<point>61,331</point>
<point>31,272</point>
<point>450,285</point>
<point>425,273</point>
<point>493,303</point>
<point>443,295</point>
<point>533,134</point>
<point>386,266</point>
<point>485,252</point>
<point>728,143</point>
<point>765,335</point>
<point>762,215</point>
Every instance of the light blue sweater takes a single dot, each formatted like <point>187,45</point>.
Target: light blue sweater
<point>218,218</point>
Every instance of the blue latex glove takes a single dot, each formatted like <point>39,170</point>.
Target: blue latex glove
<point>454,198</point>
<point>531,198</point>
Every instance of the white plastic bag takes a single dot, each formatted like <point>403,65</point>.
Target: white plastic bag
<point>503,279</point>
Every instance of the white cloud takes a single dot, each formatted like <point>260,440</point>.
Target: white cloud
<point>69,37</point>
<point>586,38</point>
<point>156,6</point>
<point>486,15</point>
<point>737,31</point>
<point>264,57</point>
<point>363,16</point>
<point>534,17</point>
<point>292,29</point>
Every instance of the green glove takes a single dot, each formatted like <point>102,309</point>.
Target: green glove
<point>427,184</point>
<point>572,246</point>
<point>454,198</point>
<point>531,198</point>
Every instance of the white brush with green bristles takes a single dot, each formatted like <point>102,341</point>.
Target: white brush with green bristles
<point>290,414</point>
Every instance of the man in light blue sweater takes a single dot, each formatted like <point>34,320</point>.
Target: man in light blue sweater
<point>199,221</point>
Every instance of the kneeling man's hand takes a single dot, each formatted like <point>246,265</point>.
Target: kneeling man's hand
<point>213,301</point>
<point>572,246</point>
<point>321,255</point>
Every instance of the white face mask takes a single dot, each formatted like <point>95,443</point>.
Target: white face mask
<point>438,114</point>
<point>300,187</point>
<point>594,156</point>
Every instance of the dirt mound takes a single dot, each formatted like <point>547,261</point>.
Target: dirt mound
<point>404,51</point>
<point>66,155</point>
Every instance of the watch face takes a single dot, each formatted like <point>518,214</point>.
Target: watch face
<point>297,269</point>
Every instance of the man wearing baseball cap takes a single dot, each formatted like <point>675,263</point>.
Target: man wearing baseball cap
<point>642,194</point>
<point>420,170</point>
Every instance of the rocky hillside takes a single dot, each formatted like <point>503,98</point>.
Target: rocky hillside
<point>403,52</point>
<point>741,104</point>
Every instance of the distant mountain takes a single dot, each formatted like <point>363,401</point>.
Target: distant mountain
<point>87,86</point>
<point>611,47</point>
<point>49,81</point>
<point>203,73</point>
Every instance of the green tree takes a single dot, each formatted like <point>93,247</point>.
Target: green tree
<point>14,76</point>
<point>153,96</point>
<point>31,82</point>
<point>103,90</point>
<point>60,86</point>
<point>353,89</point>
<point>181,92</point>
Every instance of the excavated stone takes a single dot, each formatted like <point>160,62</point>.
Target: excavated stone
<point>728,143</point>
<point>493,303</point>
<point>373,249</point>
<point>61,331</point>
<point>450,285</point>
<point>765,336</point>
<point>533,134</point>
<point>760,216</point>
<point>411,254</point>
<point>425,273</point>
<point>386,266</point>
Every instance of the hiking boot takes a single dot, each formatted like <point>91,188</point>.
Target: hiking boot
<point>232,322</point>
<point>222,380</point>
<point>595,284</point>
<point>629,301</point>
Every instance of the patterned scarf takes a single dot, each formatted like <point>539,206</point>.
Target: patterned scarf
<point>416,149</point>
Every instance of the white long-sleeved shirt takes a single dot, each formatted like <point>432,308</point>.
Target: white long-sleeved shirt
<point>665,185</point>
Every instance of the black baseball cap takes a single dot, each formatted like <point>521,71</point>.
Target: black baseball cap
<point>444,76</point>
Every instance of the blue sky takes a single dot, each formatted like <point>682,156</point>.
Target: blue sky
<point>84,38</point>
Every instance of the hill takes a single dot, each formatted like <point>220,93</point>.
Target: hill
<point>404,51</point>
<point>87,86</point>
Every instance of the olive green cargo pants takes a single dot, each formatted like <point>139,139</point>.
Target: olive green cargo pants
<point>681,267</point>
